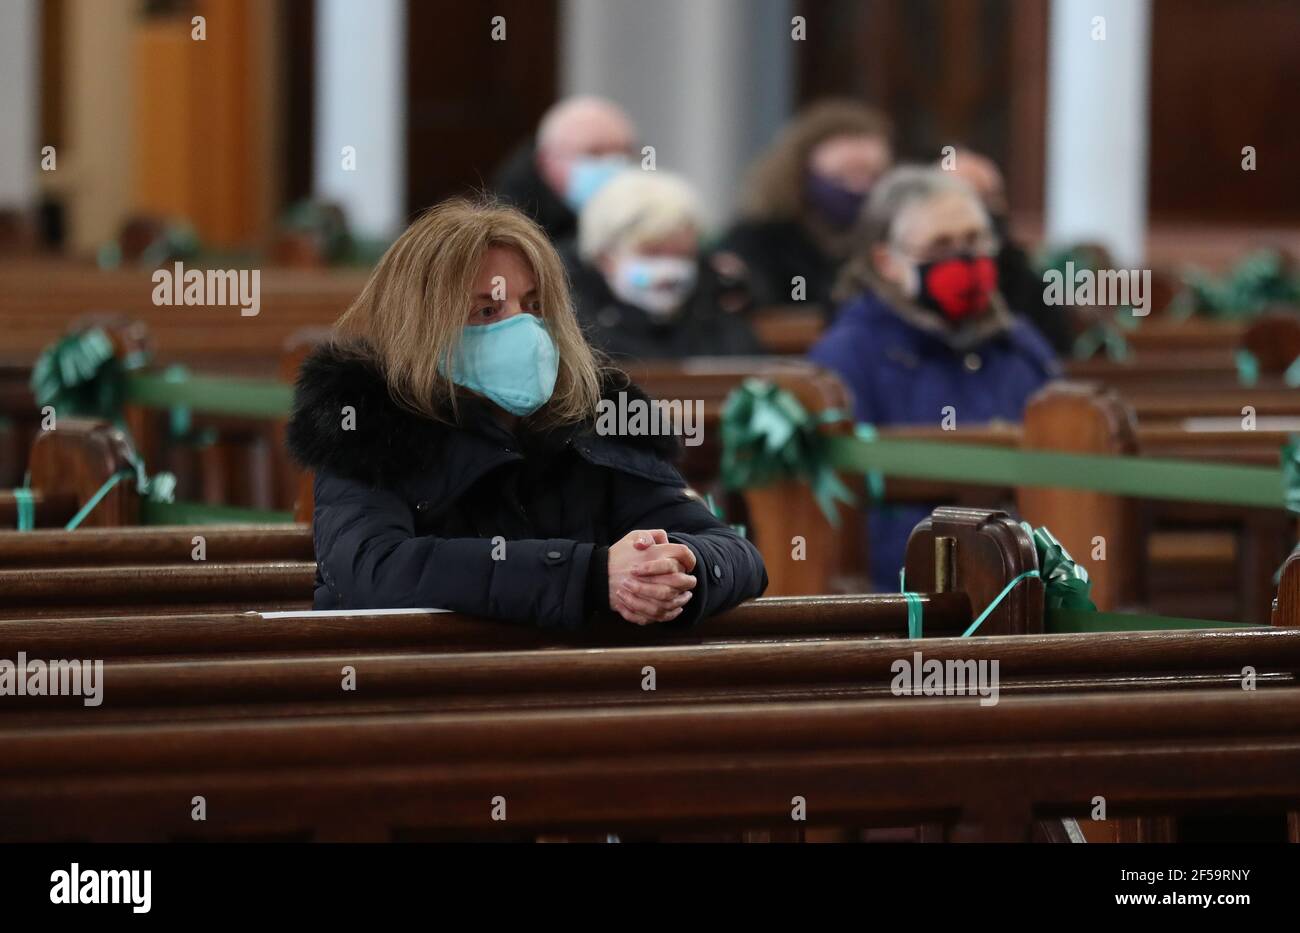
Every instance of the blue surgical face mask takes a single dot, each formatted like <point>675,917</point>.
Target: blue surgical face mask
<point>513,363</point>
<point>587,175</point>
<point>658,285</point>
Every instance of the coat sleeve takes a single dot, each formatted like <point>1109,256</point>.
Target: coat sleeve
<point>728,568</point>
<point>851,358</point>
<point>371,558</point>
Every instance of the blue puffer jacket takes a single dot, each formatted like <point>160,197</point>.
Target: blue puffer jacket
<point>904,367</point>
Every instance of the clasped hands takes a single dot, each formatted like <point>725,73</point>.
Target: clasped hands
<point>649,577</point>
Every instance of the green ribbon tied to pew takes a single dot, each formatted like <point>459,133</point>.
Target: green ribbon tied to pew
<point>1248,370</point>
<point>80,374</point>
<point>1291,474</point>
<point>1260,281</point>
<point>769,437</point>
<point>1066,586</point>
<point>1065,583</point>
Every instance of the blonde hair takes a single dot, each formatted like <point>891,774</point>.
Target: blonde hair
<point>410,315</point>
<point>635,207</point>
<point>775,186</point>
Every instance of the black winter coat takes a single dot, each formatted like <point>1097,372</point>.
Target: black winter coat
<point>700,328</point>
<point>407,509</point>
<point>1022,286</point>
<point>518,182</point>
<point>778,250</point>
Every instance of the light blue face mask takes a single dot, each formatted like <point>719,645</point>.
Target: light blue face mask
<point>512,363</point>
<point>588,175</point>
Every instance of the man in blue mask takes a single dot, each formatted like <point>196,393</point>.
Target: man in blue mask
<point>581,143</point>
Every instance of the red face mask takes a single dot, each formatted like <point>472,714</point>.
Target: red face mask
<point>958,288</point>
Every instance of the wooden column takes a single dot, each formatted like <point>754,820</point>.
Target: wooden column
<point>1077,418</point>
<point>203,111</point>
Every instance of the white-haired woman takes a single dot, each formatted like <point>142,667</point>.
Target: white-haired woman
<point>645,289</point>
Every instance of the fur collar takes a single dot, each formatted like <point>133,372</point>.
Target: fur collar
<point>385,444</point>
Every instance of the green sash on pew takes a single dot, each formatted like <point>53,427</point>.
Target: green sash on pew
<point>81,375</point>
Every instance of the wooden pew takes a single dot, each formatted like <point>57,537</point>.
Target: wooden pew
<point>154,545</point>
<point>218,339</point>
<point>985,546</point>
<point>134,589</point>
<point>772,675</point>
<point>707,766</point>
<point>1084,418</point>
<point>67,467</point>
<point>105,633</point>
<point>1165,356</point>
<point>208,685</point>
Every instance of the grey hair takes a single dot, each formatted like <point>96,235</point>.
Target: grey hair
<point>896,191</point>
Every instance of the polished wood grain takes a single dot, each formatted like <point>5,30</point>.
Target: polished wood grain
<point>862,762</point>
<point>98,547</point>
<point>210,686</point>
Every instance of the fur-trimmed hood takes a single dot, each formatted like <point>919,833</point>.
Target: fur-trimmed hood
<point>345,421</point>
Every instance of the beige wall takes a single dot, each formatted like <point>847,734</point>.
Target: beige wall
<point>94,169</point>
<point>155,124</point>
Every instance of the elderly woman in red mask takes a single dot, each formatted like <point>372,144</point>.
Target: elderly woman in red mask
<point>922,333</point>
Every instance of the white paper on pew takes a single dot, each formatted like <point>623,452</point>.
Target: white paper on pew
<point>344,613</point>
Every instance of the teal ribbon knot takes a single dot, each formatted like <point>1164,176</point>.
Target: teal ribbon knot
<point>769,437</point>
<point>82,375</point>
<point>1066,583</point>
<point>1291,473</point>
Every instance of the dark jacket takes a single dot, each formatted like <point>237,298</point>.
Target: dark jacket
<point>517,182</point>
<point>407,509</point>
<point>904,367</point>
<point>1022,286</point>
<point>700,327</point>
<point>778,250</point>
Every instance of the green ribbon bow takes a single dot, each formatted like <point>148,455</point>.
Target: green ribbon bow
<point>1247,367</point>
<point>1100,337</point>
<point>80,374</point>
<point>768,437</point>
<point>1291,474</point>
<point>1066,583</point>
<point>1255,283</point>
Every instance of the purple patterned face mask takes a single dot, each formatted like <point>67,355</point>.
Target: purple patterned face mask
<point>834,203</point>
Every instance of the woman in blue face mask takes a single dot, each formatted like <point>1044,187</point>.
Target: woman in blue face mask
<point>452,428</point>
